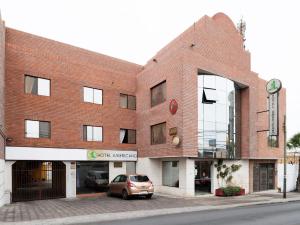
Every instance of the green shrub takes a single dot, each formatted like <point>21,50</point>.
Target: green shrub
<point>231,190</point>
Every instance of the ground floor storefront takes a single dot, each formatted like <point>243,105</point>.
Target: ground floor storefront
<point>195,176</point>
<point>46,173</point>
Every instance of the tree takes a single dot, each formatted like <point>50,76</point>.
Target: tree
<point>294,142</point>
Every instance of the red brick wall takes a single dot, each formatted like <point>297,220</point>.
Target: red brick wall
<point>2,71</point>
<point>218,48</point>
<point>69,69</point>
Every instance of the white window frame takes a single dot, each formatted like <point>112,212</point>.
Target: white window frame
<point>93,99</point>
<point>43,85</point>
<point>35,124</point>
<point>90,133</point>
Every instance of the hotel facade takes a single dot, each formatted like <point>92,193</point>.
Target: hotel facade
<point>72,118</point>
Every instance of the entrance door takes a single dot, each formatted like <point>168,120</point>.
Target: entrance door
<point>263,176</point>
<point>37,180</point>
<point>202,177</point>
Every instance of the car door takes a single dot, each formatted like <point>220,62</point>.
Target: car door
<point>113,184</point>
<point>121,184</point>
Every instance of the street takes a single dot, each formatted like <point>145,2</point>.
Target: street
<point>275,214</point>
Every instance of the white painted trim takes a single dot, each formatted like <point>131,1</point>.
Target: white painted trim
<point>59,154</point>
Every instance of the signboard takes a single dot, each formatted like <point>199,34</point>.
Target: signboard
<point>273,86</point>
<point>173,106</point>
<point>273,114</point>
<point>173,131</point>
<point>109,155</point>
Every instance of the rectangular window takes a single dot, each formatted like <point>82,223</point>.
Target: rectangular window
<point>127,101</point>
<point>118,165</point>
<point>37,86</point>
<point>158,134</point>
<point>127,136</point>
<point>91,133</point>
<point>37,129</point>
<point>92,95</point>
<point>170,173</point>
<point>272,141</point>
<point>158,94</point>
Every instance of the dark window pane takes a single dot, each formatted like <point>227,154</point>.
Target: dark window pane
<point>123,101</point>
<point>131,136</point>
<point>158,94</point>
<point>44,129</point>
<point>84,132</point>
<point>158,134</point>
<point>131,102</point>
<point>117,164</point>
<point>31,85</point>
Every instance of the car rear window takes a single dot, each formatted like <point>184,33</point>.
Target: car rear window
<point>139,178</point>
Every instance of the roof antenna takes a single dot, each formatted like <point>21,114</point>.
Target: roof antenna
<point>241,26</point>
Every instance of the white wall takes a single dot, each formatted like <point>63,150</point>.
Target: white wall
<point>113,172</point>
<point>2,183</point>
<point>240,177</point>
<point>153,168</point>
<point>291,176</point>
<point>8,181</point>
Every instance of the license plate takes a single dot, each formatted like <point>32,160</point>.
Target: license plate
<point>143,192</point>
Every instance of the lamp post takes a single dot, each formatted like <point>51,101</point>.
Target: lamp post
<point>284,158</point>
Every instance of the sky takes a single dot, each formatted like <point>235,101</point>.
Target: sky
<point>135,30</point>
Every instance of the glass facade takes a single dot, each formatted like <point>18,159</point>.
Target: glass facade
<point>217,117</point>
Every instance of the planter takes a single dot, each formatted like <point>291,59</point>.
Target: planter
<point>220,192</point>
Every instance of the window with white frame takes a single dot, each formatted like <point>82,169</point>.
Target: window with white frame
<point>37,129</point>
<point>37,86</point>
<point>92,95</point>
<point>91,133</point>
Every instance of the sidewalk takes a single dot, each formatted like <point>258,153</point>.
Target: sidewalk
<point>67,211</point>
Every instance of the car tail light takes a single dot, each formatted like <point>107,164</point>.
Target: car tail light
<point>130,184</point>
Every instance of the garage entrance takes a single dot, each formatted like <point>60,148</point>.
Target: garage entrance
<point>38,180</point>
<point>91,177</point>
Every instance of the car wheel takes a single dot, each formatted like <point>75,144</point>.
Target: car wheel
<point>124,195</point>
<point>149,196</point>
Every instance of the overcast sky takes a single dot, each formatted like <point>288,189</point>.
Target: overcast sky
<point>135,30</point>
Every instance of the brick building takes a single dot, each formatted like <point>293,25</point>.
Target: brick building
<point>73,118</point>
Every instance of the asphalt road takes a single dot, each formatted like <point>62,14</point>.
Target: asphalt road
<point>273,214</point>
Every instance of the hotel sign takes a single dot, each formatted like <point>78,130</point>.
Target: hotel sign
<point>110,155</point>
<point>273,87</point>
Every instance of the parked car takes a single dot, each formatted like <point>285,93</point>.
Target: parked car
<point>131,185</point>
<point>96,179</point>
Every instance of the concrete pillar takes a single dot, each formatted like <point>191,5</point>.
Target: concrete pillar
<point>8,181</point>
<point>70,179</point>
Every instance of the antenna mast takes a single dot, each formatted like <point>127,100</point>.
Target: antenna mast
<point>241,26</point>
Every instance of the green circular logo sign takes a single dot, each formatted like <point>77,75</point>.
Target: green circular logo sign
<point>92,155</point>
<point>273,86</point>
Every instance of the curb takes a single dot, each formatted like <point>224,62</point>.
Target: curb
<point>93,218</point>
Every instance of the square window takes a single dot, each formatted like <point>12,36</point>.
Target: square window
<point>37,129</point>
<point>127,136</point>
<point>158,94</point>
<point>91,133</point>
<point>37,86</point>
<point>158,134</point>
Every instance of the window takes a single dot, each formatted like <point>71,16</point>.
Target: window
<point>218,117</point>
<point>158,94</point>
<point>127,101</point>
<point>158,134</point>
<point>272,141</point>
<point>127,136</point>
<point>37,129</point>
<point>37,86</point>
<point>118,165</point>
<point>170,173</point>
<point>91,133</point>
<point>92,95</point>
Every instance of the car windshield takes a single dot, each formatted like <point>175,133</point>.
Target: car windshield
<point>139,178</point>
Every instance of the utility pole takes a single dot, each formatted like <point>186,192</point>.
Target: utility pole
<point>284,158</point>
